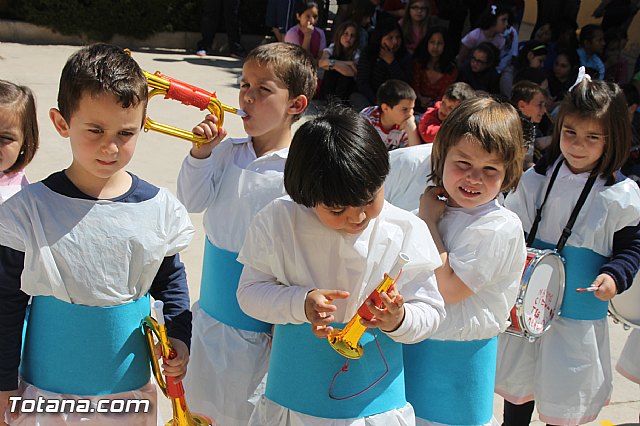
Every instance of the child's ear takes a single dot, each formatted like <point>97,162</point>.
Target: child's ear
<point>59,122</point>
<point>530,56</point>
<point>521,104</point>
<point>385,107</point>
<point>298,104</point>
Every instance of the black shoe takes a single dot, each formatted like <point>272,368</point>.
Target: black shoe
<point>237,51</point>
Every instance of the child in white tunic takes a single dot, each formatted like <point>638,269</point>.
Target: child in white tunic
<point>477,154</point>
<point>567,371</point>
<point>231,180</point>
<point>18,136</point>
<point>315,259</point>
<point>90,244</point>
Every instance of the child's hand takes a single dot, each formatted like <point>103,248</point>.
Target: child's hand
<point>318,308</point>
<point>431,205</point>
<point>307,30</point>
<point>409,124</point>
<point>176,367</point>
<point>208,129</point>
<point>390,316</point>
<point>606,287</point>
<point>386,54</point>
<point>5,404</point>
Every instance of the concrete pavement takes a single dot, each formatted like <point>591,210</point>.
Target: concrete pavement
<point>158,157</point>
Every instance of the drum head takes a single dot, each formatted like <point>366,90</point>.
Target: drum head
<point>545,287</point>
<point>625,307</point>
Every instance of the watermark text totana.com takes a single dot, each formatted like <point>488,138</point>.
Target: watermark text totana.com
<point>44,405</point>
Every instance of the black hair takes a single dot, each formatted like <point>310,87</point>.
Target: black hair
<point>337,159</point>
<point>421,53</point>
<point>392,92</point>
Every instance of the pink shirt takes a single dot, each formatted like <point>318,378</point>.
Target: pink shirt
<point>318,39</point>
<point>11,183</point>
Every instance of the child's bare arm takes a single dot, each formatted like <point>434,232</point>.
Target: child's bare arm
<point>452,288</point>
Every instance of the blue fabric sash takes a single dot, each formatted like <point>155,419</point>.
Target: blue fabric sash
<point>582,266</point>
<point>302,367</point>
<point>452,382</point>
<point>85,350</point>
<point>220,277</point>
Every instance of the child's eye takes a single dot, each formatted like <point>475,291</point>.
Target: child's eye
<point>463,165</point>
<point>243,85</point>
<point>337,212</point>
<point>95,131</point>
<point>266,89</point>
<point>126,133</point>
<point>490,171</point>
<point>568,132</point>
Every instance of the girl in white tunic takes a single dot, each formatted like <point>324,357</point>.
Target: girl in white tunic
<point>90,244</point>
<point>315,259</point>
<point>477,154</point>
<point>567,372</point>
<point>18,136</point>
<point>231,180</point>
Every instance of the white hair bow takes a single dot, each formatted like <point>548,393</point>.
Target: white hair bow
<point>582,75</point>
<point>494,8</point>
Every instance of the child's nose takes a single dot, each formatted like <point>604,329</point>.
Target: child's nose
<point>358,216</point>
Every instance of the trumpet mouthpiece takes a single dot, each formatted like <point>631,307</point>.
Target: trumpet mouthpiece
<point>241,113</point>
<point>402,260</point>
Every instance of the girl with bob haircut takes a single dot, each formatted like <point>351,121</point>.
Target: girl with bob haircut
<point>477,154</point>
<point>19,140</point>
<point>567,371</point>
<point>343,237</point>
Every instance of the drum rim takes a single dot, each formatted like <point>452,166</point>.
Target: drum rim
<point>617,316</point>
<point>526,277</point>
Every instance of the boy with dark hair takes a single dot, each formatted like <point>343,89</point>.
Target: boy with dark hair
<point>90,244</point>
<point>344,237</point>
<point>433,118</point>
<point>393,116</point>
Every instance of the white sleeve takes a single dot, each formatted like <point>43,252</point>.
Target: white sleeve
<point>13,233</point>
<point>262,297</point>
<point>198,178</point>
<point>492,248</point>
<point>424,309</point>
<point>178,227</point>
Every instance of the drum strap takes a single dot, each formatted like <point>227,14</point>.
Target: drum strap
<point>566,232</point>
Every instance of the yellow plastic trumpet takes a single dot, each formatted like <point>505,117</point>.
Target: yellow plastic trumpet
<point>187,94</point>
<point>175,391</point>
<point>346,341</point>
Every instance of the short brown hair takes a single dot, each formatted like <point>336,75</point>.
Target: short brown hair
<point>101,68</point>
<point>20,100</point>
<point>290,63</point>
<point>494,125</point>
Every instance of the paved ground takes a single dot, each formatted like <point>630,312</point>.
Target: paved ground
<point>158,157</point>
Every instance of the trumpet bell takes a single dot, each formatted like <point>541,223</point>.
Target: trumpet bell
<point>343,346</point>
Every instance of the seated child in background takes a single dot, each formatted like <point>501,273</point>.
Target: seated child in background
<point>477,155</point>
<point>343,237</point>
<point>90,244</point>
<point>530,99</point>
<point>18,136</point>
<point>393,116</point>
<point>306,34</point>
<point>591,47</point>
<point>480,70</point>
<point>339,62</point>
<point>433,118</point>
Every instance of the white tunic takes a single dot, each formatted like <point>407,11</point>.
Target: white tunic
<point>230,186</point>
<point>487,252</point>
<point>11,184</point>
<point>407,179</point>
<point>273,287</point>
<point>568,370</point>
<point>628,364</point>
<point>90,252</point>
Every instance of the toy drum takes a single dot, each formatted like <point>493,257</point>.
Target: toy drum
<point>540,295</point>
<point>625,307</point>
